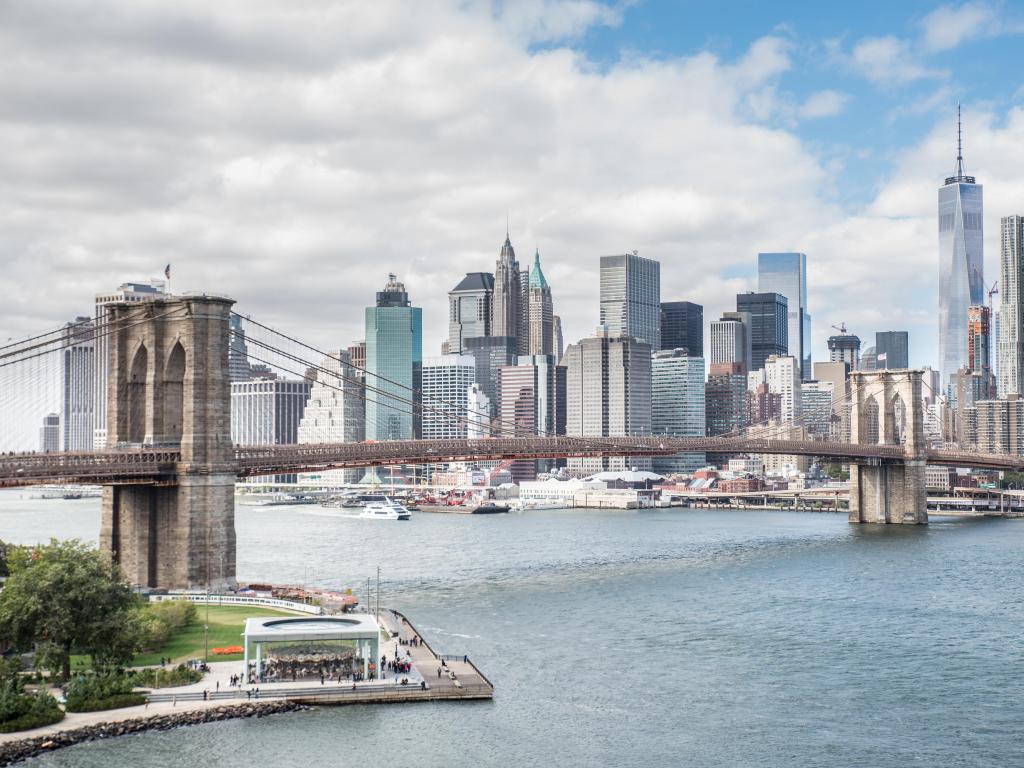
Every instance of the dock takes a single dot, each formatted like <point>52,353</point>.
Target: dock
<point>445,677</point>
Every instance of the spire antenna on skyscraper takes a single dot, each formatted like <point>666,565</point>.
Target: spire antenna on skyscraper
<point>959,144</point>
<point>959,177</point>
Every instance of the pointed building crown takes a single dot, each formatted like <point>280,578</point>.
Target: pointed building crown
<point>537,279</point>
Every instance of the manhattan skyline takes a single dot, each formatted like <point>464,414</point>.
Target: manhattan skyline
<point>593,140</point>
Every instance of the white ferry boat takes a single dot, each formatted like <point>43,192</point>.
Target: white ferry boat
<point>378,507</point>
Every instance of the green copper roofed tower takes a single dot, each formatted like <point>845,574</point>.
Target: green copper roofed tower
<point>542,336</point>
<point>537,279</point>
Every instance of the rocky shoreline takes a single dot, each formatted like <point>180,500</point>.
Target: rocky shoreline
<point>15,751</point>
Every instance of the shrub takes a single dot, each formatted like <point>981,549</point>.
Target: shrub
<point>22,711</point>
<point>161,620</point>
<point>88,693</point>
<point>166,678</point>
<point>111,702</point>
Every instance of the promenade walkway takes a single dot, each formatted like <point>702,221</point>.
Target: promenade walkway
<point>214,690</point>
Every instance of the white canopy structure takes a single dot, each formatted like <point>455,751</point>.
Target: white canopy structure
<point>358,632</point>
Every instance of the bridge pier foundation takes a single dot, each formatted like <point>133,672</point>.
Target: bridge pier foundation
<point>888,493</point>
<point>169,387</point>
<point>887,409</point>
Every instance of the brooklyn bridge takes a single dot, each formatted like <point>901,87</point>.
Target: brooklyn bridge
<point>170,467</point>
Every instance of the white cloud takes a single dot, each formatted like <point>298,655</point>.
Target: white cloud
<point>949,26</point>
<point>547,21</point>
<point>888,61</point>
<point>827,103</point>
<point>292,154</point>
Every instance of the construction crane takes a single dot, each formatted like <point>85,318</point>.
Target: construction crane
<point>841,328</point>
<point>993,290</point>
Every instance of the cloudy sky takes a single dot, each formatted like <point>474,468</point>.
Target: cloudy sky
<point>291,154</point>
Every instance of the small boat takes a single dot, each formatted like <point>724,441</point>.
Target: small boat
<point>377,507</point>
<point>490,508</point>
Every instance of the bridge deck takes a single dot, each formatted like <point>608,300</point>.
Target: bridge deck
<point>150,465</point>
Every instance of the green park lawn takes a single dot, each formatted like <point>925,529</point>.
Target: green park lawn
<point>226,626</point>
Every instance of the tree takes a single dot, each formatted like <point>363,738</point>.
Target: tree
<point>68,597</point>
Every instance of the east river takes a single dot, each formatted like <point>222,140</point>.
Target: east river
<point>665,638</point>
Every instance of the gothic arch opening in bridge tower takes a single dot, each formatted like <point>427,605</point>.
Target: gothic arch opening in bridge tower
<point>174,394</point>
<point>137,396</point>
<point>869,431</point>
<point>896,421</point>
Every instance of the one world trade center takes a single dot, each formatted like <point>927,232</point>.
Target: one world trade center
<point>961,276</point>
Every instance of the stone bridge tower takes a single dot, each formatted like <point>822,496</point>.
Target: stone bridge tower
<point>169,387</point>
<point>887,409</point>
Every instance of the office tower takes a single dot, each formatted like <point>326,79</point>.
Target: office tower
<point>608,383</point>
<point>931,389</point>
<point>507,299</point>
<point>1000,426</point>
<point>979,345</point>
<point>49,433</point>
<point>1011,306</point>
<point>357,355</point>
<point>394,365</point>
<point>446,380</point>
<point>478,409</point>
<point>845,348</point>
<point>559,342</point>
<point>532,402</point>
<point>786,274</point>
<point>731,339</point>
<point>836,374</point>
<point>961,265</point>
<point>682,327</point>
<point>763,407</point>
<point>966,388</point>
<point>677,406</point>
<point>469,310</point>
<point>268,412</point>
<point>541,327</point>
<point>782,375</point>
<point>892,349</point>
<point>769,329</point>
<point>994,343</point>
<point>77,382</point>
<point>130,292</point>
<point>869,360</point>
<point>490,353</point>
<point>523,339</point>
<point>631,297</point>
<point>725,399</point>
<point>238,352</point>
<point>816,398</point>
<point>334,413</point>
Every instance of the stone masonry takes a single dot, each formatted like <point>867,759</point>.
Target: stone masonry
<point>169,386</point>
<point>887,408</point>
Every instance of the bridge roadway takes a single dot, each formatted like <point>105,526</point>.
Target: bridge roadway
<point>160,466</point>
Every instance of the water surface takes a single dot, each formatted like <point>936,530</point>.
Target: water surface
<point>669,637</point>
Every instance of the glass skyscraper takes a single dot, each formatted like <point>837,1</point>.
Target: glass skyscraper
<point>786,274</point>
<point>961,267</point>
<point>631,297</point>
<point>394,365</point>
